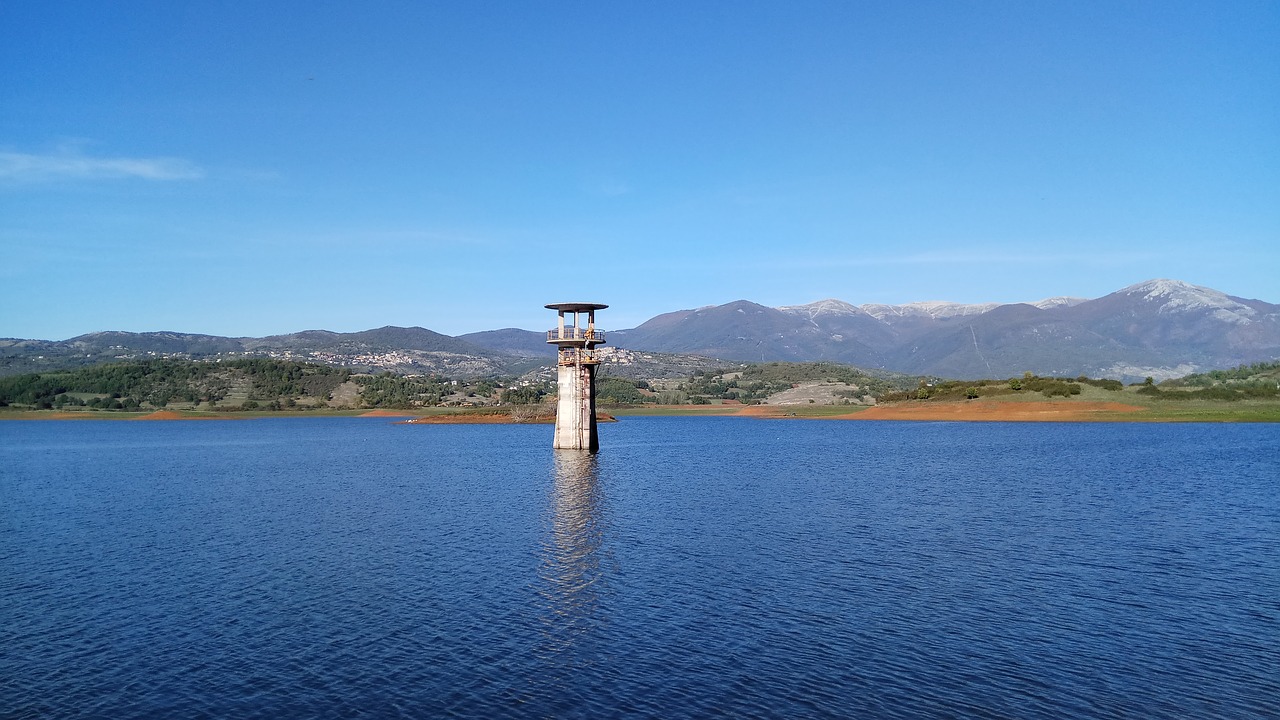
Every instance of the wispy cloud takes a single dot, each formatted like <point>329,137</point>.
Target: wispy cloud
<point>974,257</point>
<point>73,165</point>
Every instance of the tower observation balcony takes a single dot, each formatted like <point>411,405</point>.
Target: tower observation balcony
<point>576,341</point>
<point>575,336</point>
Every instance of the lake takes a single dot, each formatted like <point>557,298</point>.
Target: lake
<point>695,567</point>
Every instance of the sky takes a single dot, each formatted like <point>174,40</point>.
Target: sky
<point>249,169</point>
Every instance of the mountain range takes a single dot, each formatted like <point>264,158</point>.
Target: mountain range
<point>1158,328</point>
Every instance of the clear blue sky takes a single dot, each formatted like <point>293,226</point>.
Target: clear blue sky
<point>252,168</point>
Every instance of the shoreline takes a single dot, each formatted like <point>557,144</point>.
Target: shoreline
<point>977,410</point>
<point>997,411</point>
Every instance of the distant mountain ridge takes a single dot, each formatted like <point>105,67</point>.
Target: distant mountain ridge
<point>1158,328</point>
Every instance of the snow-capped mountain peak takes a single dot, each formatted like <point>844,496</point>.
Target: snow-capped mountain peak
<point>1176,296</point>
<point>1061,301</point>
<point>829,306</point>
<point>936,309</point>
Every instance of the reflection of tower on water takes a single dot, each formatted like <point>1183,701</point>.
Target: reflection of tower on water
<point>572,578</point>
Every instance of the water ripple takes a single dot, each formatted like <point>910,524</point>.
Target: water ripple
<point>694,568</point>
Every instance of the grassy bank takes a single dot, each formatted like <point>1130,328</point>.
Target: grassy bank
<point>1093,405</point>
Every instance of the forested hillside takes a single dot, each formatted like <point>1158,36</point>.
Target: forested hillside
<point>1256,380</point>
<point>264,384</point>
<point>158,383</point>
<point>756,383</point>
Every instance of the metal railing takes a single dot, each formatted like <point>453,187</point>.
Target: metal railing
<point>575,334</point>
<point>577,356</point>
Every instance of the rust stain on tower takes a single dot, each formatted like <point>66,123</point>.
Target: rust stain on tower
<point>576,374</point>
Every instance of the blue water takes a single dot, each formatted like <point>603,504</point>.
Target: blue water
<point>696,567</point>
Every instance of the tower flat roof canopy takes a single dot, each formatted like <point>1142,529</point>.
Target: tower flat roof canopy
<point>576,307</point>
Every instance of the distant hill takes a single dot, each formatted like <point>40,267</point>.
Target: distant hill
<point>1159,328</point>
<point>525,343</point>
<point>384,339</point>
<point>400,350</point>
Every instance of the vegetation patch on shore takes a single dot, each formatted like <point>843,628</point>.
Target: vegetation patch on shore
<point>184,389</point>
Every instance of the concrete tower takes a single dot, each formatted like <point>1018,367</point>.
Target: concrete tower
<point>576,375</point>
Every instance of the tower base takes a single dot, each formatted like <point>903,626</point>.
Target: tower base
<point>576,408</point>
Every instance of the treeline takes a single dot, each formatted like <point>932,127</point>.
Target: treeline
<point>1049,387</point>
<point>620,391</point>
<point>1256,381</point>
<point>1253,378</point>
<point>1214,392</point>
<point>270,379</point>
<point>396,391</point>
<point>609,391</point>
<point>157,383</point>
